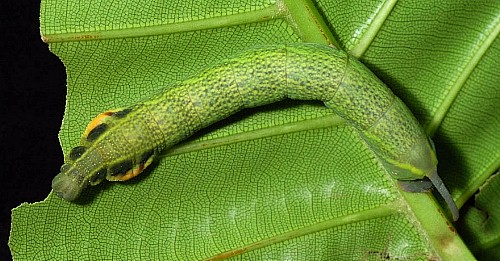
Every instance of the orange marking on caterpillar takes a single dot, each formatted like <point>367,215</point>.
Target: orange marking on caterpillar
<point>98,120</point>
<point>135,171</point>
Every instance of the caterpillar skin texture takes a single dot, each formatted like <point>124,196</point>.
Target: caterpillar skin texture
<point>119,144</point>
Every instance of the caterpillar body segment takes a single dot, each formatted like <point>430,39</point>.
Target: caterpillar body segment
<point>119,144</point>
<point>106,151</point>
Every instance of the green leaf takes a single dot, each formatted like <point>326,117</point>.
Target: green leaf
<point>284,181</point>
<point>481,223</point>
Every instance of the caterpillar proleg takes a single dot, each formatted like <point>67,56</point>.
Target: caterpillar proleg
<point>119,144</point>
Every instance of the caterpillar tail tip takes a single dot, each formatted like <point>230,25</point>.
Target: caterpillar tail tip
<point>443,191</point>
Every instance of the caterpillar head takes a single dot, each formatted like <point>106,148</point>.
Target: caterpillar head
<point>82,165</point>
<point>82,168</point>
<point>69,183</point>
<point>85,165</point>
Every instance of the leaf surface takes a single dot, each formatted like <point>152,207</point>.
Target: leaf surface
<point>481,222</point>
<point>283,181</point>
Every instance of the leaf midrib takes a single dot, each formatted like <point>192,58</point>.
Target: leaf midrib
<point>304,125</point>
<point>261,15</point>
<point>462,77</point>
<point>378,212</point>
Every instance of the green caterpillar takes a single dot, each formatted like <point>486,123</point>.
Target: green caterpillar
<point>119,144</point>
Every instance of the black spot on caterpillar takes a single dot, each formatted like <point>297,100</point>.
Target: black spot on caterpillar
<point>77,152</point>
<point>97,131</point>
<point>98,177</point>
<point>121,143</point>
<point>121,114</point>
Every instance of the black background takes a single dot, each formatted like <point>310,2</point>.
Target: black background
<point>32,97</point>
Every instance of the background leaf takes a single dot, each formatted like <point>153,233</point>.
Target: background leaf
<point>286,180</point>
<point>481,223</point>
